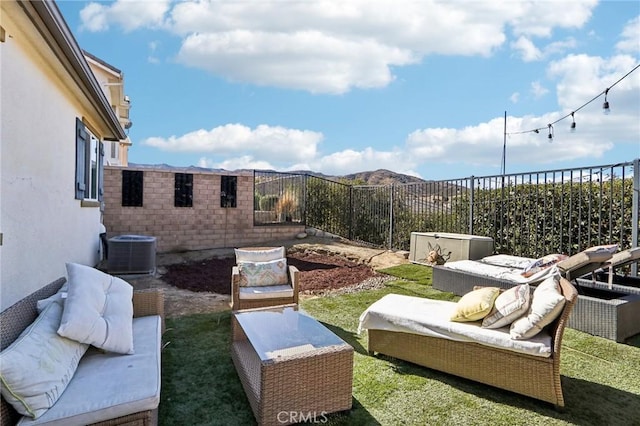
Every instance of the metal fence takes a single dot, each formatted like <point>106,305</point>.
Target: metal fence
<point>528,214</point>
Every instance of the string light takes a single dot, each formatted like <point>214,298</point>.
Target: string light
<point>605,105</point>
<point>605,108</point>
<point>573,122</point>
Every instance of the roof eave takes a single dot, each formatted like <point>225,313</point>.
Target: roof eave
<point>59,33</point>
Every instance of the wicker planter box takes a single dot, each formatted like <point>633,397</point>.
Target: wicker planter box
<point>608,314</point>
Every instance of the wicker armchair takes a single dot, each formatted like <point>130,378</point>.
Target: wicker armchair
<point>249,295</point>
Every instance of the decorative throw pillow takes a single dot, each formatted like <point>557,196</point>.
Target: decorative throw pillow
<point>475,305</point>
<point>98,310</point>
<point>36,368</point>
<point>253,274</point>
<point>260,255</point>
<point>542,264</point>
<point>509,306</point>
<point>546,304</point>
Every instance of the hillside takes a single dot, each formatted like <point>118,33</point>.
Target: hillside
<point>382,177</point>
<point>375,177</point>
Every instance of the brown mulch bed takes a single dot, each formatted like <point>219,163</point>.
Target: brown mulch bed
<point>318,272</point>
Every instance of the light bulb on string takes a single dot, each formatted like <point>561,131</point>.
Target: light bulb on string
<point>573,123</point>
<point>605,105</point>
<point>550,133</point>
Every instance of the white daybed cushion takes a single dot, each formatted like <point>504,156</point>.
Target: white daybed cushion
<point>98,310</point>
<point>508,274</point>
<point>108,385</point>
<point>259,255</point>
<point>507,261</point>
<point>266,292</point>
<point>37,366</point>
<point>409,314</point>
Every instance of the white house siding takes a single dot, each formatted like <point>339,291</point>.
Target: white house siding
<point>42,224</point>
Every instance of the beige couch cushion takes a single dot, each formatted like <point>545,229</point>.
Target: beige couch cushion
<point>98,310</point>
<point>36,368</point>
<point>259,255</point>
<point>109,385</point>
<point>266,292</point>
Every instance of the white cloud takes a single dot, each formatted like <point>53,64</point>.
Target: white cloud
<point>538,90</point>
<point>526,49</point>
<point>579,78</point>
<point>307,60</point>
<point>528,52</point>
<point>127,14</point>
<point>630,38</point>
<point>244,162</point>
<point>351,161</point>
<point>272,143</point>
<point>514,98</point>
<point>333,46</point>
<point>153,47</point>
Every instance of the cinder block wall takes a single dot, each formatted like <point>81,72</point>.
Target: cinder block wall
<point>206,225</point>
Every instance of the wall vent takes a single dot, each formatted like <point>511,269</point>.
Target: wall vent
<point>132,254</point>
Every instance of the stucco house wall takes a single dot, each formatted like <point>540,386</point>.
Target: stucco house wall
<point>206,225</point>
<point>43,90</point>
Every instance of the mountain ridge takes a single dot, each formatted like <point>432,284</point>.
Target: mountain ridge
<point>370,177</point>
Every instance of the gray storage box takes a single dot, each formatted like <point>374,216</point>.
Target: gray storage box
<point>451,246</point>
<point>132,254</point>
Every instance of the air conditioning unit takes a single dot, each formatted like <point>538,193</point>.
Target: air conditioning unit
<point>132,254</point>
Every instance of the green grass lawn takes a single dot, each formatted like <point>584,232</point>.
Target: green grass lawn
<point>600,378</point>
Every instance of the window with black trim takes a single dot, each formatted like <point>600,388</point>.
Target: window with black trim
<point>228,190</point>
<point>132,188</point>
<point>183,190</point>
<point>89,165</point>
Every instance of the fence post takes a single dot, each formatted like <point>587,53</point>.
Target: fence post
<point>636,211</point>
<point>391,218</point>
<point>472,179</point>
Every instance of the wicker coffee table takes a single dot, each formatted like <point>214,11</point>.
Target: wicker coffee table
<point>292,368</point>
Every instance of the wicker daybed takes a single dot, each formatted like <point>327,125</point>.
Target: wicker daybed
<point>610,313</point>
<point>533,376</point>
<point>20,315</point>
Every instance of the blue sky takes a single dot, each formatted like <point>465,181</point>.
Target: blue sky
<point>343,86</point>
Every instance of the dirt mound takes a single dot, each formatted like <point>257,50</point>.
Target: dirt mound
<point>200,281</point>
<point>317,272</point>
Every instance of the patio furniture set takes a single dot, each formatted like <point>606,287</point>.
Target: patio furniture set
<point>292,367</point>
